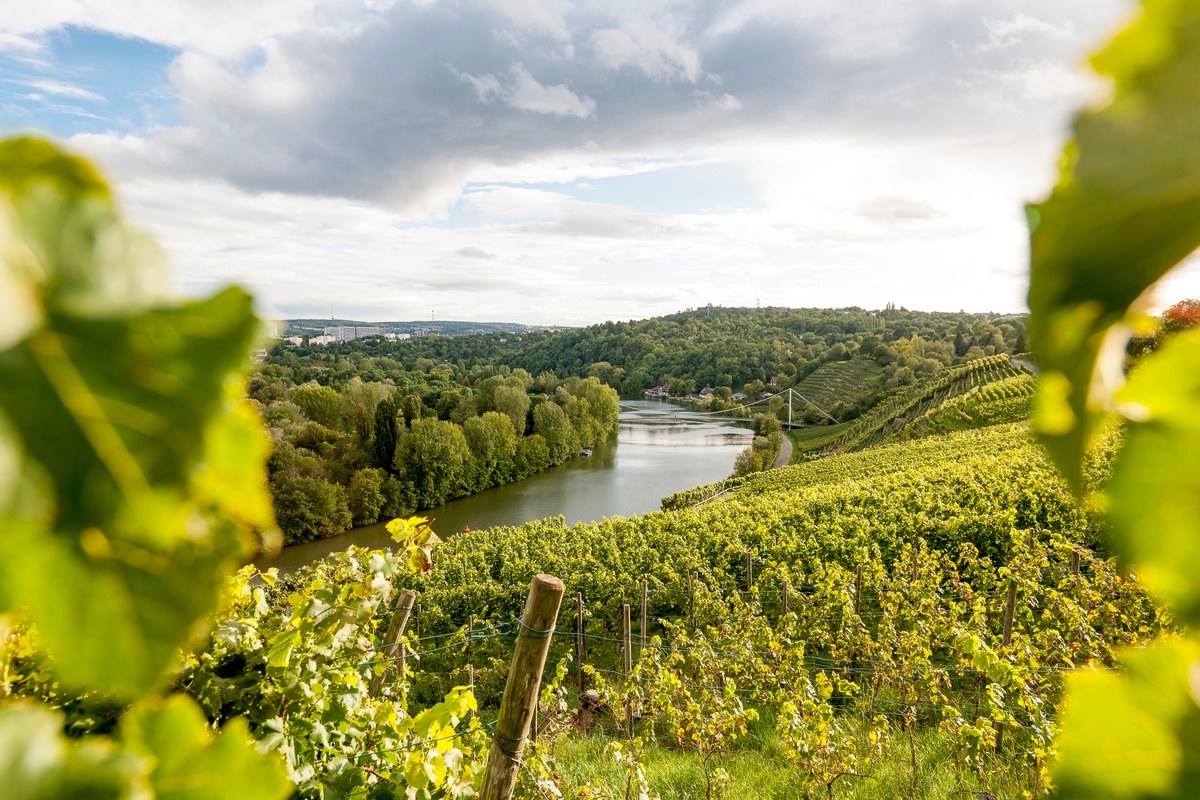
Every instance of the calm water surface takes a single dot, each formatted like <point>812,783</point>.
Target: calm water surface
<point>660,449</point>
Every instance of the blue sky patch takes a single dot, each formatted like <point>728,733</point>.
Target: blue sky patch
<point>83,81</point>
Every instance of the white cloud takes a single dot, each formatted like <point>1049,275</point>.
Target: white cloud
<point>20,45</point>
<point>62,89</point>
<point>528,94</point>
<point>647,47</point>
<point>1005,33</point>
<point>393,157</point>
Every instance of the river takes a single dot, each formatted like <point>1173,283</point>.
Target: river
<point>660,449</point>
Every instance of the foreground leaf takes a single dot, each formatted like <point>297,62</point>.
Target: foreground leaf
<point>191,763</point>
<point>1133,735</point>
<point>137,478</point>
<point>38,763</point>
<point>1126,209</point>
<point>1153,497</point>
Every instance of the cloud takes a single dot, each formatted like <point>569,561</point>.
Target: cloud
<point>15,44</point>
<point>475,252</point>
<point>405,103</point>
<point>62,89</point>
<point>529,95</point>
<point>1005,33</point>
<point>648,48</point>
<point>899,210</point>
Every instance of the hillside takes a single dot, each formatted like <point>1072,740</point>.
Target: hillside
<point>892,563</point>
<point>837,386</point>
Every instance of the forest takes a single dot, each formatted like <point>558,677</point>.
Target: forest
<point>356,452</point>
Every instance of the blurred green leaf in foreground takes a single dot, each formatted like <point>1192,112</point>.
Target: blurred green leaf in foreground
<point>1126,210</point>
<point>132,483</point>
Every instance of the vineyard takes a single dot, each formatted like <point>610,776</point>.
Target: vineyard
<point>845,382</point>
<point>985,391</point>
<point>831,614</point>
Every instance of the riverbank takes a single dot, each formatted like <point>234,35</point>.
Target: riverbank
<point>660,449</point>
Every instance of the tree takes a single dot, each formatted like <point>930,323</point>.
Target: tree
<point>512,401</point>
<point>551,423</point>
<point>432,456</point>
<point>383,446</point>
<point>320,404</point>
<point>365,496</point>
<point>1182,316</point>
<point>309,508</point>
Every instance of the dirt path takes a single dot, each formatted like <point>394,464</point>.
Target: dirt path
<point>785,454</point>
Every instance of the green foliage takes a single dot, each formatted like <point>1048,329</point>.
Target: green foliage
<point>365,496</point>
<point>1126,209</point>
<point>321,404</point>
<point>132,482</point>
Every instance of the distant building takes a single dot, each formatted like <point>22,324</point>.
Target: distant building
<point>659,391</point>
<point>295,340</point>
<point>348,333</point>
<point>322,340</point>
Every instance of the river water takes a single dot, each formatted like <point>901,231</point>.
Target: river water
<point>660,449</point>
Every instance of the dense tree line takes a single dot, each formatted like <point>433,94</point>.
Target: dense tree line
<point>741,349</point>
<point>359,450</point>
<point>374,428</point>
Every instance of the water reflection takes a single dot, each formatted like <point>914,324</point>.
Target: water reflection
<point>660,449</point>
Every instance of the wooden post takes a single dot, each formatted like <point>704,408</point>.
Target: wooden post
<point>579,637</point>
<point>784,608</point>
<point>914,561</point>
<point>521,689</point>
<point>627,637</point>
<point>749,571</point>
<point>391,639</point>
<point>417,620</point>
<point>403,661</point>
<point>470,659</point>
<point>645,593</point>
<point>691,600</point>
<point>1075,563</point>
<point>858,591</point>
<point>1009,607</point>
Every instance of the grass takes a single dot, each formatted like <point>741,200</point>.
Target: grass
<point>806,439</point>
<point>758,771</point>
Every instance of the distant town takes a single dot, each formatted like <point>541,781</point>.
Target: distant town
<point>299,332</point>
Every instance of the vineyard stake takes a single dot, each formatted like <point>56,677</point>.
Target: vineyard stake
<point>470,637</point>
<point>1075,563</point>
<point>914,562</point>
<point>417,619</point>
<point>579,636</point>
<point>627,639</point>
<point>749,571</point>
<point>858,591</point>
<point>784,610</point>
<point>395,630</point>
<point>645,592</point>
<point>521,689</point>
<point>691,600</point>
<point>1009,607</point>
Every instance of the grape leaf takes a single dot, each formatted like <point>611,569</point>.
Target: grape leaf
<point>1133,735</point>
<point>38,763</point>
<point>1125,210</point>
<point>139,477</point>
<point>190,762</point>
<point>1153,499</point>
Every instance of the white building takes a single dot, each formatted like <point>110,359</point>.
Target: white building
<point>348,333</point>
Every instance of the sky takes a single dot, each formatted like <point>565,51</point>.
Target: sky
<point>567,163</point>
